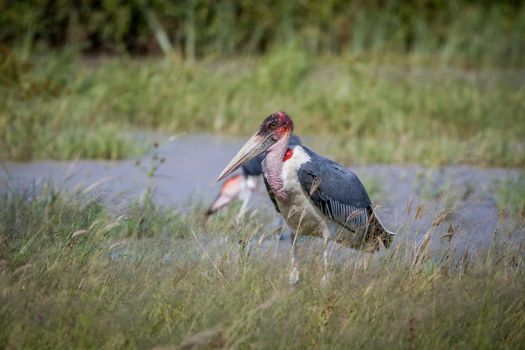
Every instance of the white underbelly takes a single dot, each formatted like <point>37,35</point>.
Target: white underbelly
<point>298,211</point>
<point>300,214</point>
<point>303,218</point>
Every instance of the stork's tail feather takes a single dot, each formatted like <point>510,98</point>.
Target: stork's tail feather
<point>384,236</point>
<point>389,237</point>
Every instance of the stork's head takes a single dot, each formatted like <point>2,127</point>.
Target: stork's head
<point>273,129</point>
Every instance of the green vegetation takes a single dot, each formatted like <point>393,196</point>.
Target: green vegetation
<point>377,110</point>
<point>511,196</point>
<point>73,275</point>
<point>382,81</point>
<point>459,31</point>
<point>428,82</point>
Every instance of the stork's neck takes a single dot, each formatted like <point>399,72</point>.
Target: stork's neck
<point>274,167</point>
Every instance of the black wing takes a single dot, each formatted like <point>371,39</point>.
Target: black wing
<point>336,191</point>
<point>253,167</point>
<point>294,141</point>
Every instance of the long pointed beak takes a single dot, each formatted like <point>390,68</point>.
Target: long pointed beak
<point>252,148</point>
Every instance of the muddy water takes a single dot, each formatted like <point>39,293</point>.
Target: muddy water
<point>190,168</point>
<point>410,199</point>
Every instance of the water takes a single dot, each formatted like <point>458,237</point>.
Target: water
<point>191,167</point>
<point>409,199</point>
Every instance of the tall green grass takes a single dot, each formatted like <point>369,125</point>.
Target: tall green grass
<point>511,196</point>
<point>460,31</point>
<point>73,275</point>
<point>368,110</point>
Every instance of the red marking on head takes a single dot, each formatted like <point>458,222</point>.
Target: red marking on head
<point>285,123</point>
<point>288,155</point>
<point>279,124</point>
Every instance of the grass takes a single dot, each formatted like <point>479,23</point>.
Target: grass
<point>511,196</point>
<point>75,275</point>
<point>363,109</point>
<point>460,31</point>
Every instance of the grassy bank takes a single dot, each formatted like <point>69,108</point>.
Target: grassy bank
<point>74,275</point>
<point>369,108</point>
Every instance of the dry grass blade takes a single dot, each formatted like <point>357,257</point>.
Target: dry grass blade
<point>315,185</point>
<point>443,215</point>
<point>451,232</point>
<point>420,211</point>
<point>119,245</point>
<point>210,338</point>
<point>422,252</point>
<point>78,233</point>
<point>206,253</point>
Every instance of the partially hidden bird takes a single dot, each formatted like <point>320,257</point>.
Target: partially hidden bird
<point>315,195</point>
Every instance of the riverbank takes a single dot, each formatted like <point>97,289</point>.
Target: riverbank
<point>387,110</point>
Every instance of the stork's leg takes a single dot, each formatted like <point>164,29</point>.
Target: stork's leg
<point>278,234</point>
<point>367,256</point>
<point>280,228</point>
<point>294,270</point>
<point>249,185</point>
<point>245,200</point>
<point>326,276</point>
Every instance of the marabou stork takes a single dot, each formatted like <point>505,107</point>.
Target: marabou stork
<point>315,195</point>
<point>242,186</point>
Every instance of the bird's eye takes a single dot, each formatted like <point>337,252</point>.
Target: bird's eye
<point>273,125</point>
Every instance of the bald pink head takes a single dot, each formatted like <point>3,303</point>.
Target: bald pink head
<point>274,132</point>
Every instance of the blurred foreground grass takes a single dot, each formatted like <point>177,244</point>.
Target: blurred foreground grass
<point>73,275</point>
<point>383,108</point>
